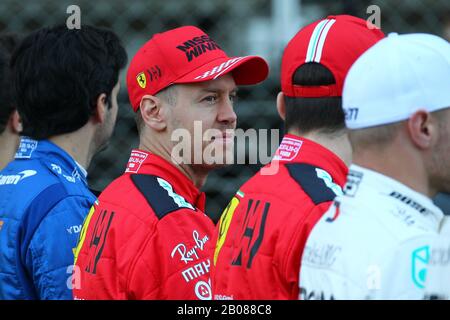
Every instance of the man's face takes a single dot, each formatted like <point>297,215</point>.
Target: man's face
<point>440,164</point>
<point>105,132</point>
<point>204,111</point>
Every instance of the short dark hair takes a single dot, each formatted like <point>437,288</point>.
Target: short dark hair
<point>58,75</point>
<point>314,114</point>
<point>8,43</point>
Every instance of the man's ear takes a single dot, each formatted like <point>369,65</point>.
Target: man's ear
<point>423,129</point>
<point>101,108</point>
<point>15,122</point>
<point>151,112</point>
<point>281,106</point>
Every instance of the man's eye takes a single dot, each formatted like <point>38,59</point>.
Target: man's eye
<point>233,98</point>
<point>210,99</point>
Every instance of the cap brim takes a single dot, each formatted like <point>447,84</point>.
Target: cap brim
<point>245,70</point>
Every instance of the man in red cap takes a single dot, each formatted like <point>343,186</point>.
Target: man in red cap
<point>262,233</point>
<point>148,236</point>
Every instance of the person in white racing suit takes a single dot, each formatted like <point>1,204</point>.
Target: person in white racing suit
<point>372,243</point>
<point>375,241</point>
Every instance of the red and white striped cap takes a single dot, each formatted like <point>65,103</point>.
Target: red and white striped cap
<point>335,42</point>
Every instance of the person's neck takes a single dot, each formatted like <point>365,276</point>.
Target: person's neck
<point>79,145</point>
<point>337,143</point>
<point>9,143</point>
<point>396,164</point>
<point>198,177</point>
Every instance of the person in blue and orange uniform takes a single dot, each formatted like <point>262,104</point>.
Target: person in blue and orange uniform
<point>65,83</point>
<point>261,234</point>
<point>148,236</point>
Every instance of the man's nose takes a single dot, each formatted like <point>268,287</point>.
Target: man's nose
<point>226,113</point>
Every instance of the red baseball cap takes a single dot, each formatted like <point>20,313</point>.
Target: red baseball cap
<point>335,42</point>
<point>186,55</point>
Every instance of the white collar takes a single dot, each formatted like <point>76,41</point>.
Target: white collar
<point>82,169</point>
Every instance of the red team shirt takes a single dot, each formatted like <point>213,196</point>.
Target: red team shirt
<point>262,233</point>
<point>147,237</point>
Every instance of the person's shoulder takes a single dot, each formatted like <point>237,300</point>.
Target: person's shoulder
<point>70,179</point>
<point>147,197</point>
<point>390,216</point>
<point>316,183</point>
<point>23,182</point>
<point>32,173</point>
<point>350,224</point>
<point>36,175</point>
<point>294,184</point>
<point>121,197</point>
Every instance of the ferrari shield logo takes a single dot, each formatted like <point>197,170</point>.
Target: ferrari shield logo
<point>141,80</point>
<point>420,259</point>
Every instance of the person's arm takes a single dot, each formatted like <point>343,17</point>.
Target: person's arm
<point>294,244</point>
<point>50,251</point>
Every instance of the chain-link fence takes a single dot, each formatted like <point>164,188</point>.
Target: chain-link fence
<point>242,27</point>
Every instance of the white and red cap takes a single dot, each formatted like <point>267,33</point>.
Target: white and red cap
<point>335,42</point>
<point>186,55</point>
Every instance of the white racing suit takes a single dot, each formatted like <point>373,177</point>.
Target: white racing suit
<point>373,242</point>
